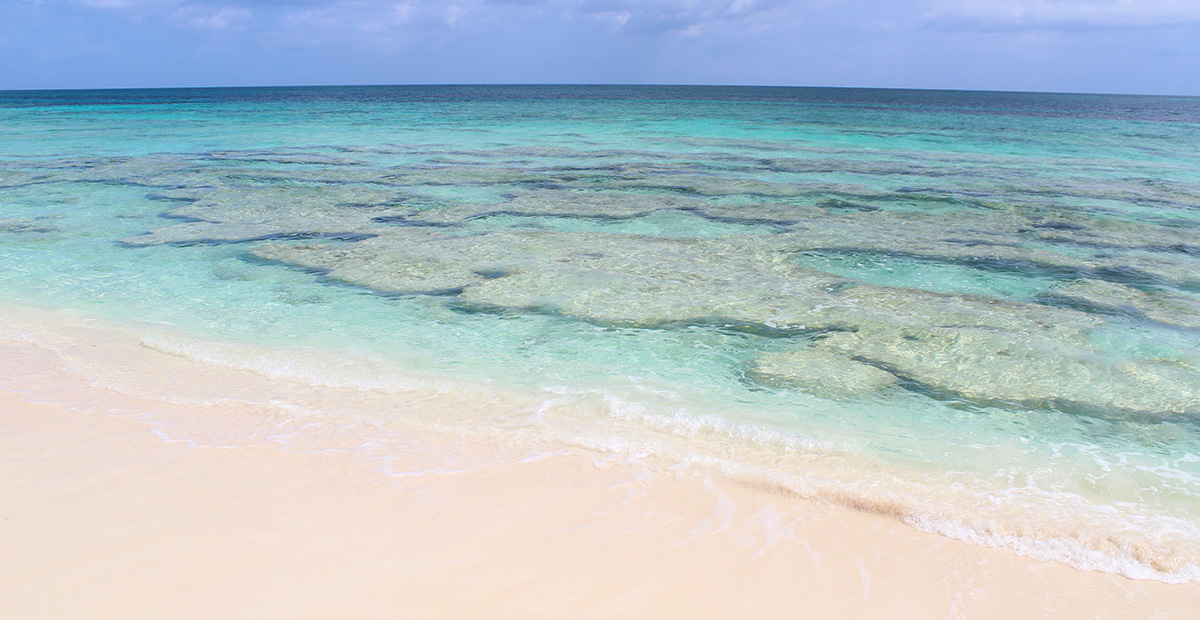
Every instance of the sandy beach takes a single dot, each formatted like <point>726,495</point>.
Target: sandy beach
<point>120,504</point>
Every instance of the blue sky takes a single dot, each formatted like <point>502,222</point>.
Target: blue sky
<point>1124,46</point>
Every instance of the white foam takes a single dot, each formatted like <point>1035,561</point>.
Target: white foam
<point>1069,551</point>
<point>657,429</point>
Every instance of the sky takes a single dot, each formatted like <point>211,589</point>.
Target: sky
<point>1101,46</point>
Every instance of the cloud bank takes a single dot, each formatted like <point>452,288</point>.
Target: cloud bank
<point>1064,13</point>
<point>1089,45</point>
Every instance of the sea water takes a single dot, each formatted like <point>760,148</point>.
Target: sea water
<point>976,312</point>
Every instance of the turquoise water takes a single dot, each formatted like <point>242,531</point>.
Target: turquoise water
<point>983,307</point>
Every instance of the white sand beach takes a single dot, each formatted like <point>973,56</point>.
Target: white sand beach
<point>119,504</point>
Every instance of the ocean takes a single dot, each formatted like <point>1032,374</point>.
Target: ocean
<point>974,312</point>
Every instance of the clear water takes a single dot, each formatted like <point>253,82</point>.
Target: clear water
<point>979,312</point>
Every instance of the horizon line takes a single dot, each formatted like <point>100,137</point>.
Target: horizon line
<point>590,84</point>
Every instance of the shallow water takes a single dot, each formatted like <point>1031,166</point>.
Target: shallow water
<point>978,312</point>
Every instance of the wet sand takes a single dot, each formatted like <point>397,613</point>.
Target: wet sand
<point>110,507</point>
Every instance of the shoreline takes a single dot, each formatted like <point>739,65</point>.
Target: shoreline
<point>108,515</point>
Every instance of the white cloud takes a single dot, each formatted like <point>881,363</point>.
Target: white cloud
<point>327,17</point>
<point>403,11</point>
<point>681,16</point>
<point>139,6</point>
<point>105,4</point>
<point>213,18</point>
<point>1064,13</point>
<point>363,16</point>
<point>194,14</point>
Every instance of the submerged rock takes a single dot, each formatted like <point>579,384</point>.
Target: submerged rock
<point>240,214</point>
<point>820,372</point>
<point>551,230</point>
<point>1020,369</point>
<point>1122,300</point>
